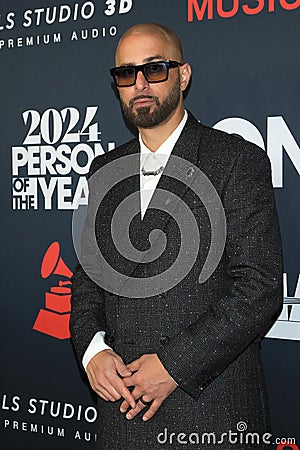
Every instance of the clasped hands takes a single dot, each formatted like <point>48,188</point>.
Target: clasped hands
<point>110,378</point>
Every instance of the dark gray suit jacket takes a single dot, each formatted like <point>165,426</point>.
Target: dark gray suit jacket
<point>207,335</point>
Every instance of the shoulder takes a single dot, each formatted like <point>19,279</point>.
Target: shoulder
<point>227,148</point>
<point>124,149</point>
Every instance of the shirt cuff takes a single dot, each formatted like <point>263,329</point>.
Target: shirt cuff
<point>96,345</point>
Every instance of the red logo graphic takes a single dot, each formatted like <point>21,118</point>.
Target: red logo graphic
<point>287,446</point>
<point>54,320</point>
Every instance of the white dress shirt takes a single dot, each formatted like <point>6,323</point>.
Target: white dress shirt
<point>149,161</point>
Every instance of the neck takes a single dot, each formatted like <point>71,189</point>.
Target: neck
<point>154,137</point>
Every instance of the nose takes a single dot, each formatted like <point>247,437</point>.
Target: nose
<point>141,83</point>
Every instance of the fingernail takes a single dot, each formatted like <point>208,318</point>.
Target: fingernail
<point>128,416</point>
<point>145,418</point>
<point>122,410</point>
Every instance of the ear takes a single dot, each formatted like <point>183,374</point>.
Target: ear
<point>185,73</point>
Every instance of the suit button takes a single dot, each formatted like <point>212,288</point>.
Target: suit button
<point>109,339</point>
<point>164,340</point>
<point>204,386</point>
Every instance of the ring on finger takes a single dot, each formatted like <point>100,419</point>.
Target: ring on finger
<point>144,402</point>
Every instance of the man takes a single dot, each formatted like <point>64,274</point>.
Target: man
<point>182,366</point>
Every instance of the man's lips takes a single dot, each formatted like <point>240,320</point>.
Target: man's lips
<point>143,101</point>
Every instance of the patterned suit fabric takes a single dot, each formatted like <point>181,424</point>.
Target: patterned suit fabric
<point>207,335</point>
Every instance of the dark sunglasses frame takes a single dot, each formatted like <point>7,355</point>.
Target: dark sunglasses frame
<point>169,64</point>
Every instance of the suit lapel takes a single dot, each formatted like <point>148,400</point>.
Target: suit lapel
<point>187,148</point>
<point>132,184</point>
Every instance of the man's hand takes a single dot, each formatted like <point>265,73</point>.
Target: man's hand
<point>151,381</point>
<point>104,372</point>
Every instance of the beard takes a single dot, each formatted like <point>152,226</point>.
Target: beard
<point>142,118</point>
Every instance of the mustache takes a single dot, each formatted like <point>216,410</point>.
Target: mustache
<point>140,97</point>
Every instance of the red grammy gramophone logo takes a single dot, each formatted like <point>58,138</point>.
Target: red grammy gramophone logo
<point>54,319</point>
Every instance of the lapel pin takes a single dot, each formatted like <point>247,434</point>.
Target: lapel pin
<point>190,172</point>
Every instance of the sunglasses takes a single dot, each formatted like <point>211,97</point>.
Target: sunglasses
<point>154,72</point>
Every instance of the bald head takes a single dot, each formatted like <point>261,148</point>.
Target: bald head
<point>159,32</point>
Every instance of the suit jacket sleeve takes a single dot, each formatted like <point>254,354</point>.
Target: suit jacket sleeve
<point>203,350</point>
<point>87,304</point>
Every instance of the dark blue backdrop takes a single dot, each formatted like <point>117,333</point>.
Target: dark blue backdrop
<point>244,67</point>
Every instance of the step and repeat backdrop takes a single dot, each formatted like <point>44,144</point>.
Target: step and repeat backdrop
<point>58,111</point>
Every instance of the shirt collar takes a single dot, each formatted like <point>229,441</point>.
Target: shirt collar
<point>167,146</point>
